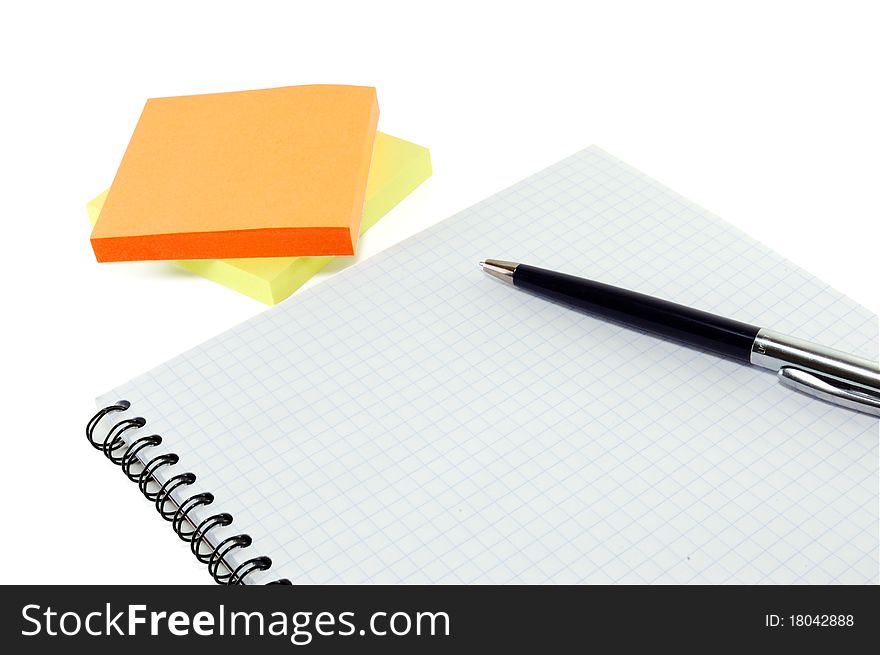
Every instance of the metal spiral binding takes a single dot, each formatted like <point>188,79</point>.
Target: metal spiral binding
<point>178,515</point>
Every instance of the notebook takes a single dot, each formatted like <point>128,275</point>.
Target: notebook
<point>412,420</point>
<point>266,173</point>
<point>397,168</point>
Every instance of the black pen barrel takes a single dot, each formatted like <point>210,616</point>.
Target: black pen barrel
<point>662,318</point>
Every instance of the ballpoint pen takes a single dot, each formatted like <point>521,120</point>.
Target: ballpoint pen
<point>825,373</point>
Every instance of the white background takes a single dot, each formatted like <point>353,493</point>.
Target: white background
<point>765,113</point>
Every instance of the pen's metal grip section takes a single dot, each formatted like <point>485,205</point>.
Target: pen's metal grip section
<point>774,350</point>
<point>826,373</point>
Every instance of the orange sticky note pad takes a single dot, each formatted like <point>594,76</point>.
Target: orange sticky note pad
<point>268,173</point>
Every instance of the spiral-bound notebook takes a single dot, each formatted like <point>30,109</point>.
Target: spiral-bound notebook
<point>412,420</point>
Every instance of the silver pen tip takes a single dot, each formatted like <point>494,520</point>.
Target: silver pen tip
<point>498,268</point>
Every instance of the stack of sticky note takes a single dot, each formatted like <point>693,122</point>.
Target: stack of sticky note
<point>256,190</point>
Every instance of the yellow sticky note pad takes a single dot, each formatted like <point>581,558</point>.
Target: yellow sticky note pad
<point>397,168</point>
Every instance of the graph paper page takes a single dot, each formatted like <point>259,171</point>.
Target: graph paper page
<point>412,420</point>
